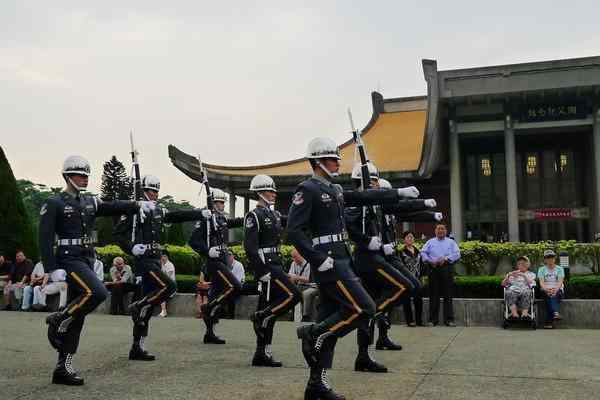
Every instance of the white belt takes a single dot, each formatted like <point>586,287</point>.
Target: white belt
<point>74,242</point>
<point>268,250</point>
<point>338,237</point>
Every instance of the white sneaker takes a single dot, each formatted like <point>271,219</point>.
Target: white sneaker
<point>163,314</point>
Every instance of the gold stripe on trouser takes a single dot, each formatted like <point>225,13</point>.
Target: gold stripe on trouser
<point>354,304</point>
<point>86,297</point>
<point>226,293</point>
<point>289,293</point>
<point>398,293</point>
<point>164,287</point>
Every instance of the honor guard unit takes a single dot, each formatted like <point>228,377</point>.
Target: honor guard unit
<point>210,239</point>
<point>277,294</point>
<point>66,238</point>
<point>318,207</point>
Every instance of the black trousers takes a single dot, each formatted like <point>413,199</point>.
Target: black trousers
<point>386,284</point>
<point>441,281</point>
<point>276,298</point>
<point>117,296</point>
<point>156,288</point>
<point>224,287</point>
<point>85,293</point>
<point>344,305</point>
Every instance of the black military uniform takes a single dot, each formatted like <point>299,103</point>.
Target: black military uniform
<point>278,294</point>
<point>66,240</point>
<point>157,287</point>
<point>409,211</point>
<point>385,283</point>
<point>223,284</point>
<point>318,206</point>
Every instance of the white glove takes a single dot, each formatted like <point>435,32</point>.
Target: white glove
<point>265,277</point>
<point>375,243</point>
<point>438,216</point>
<point>409,192</point>
<point>206,213</point>
<point>430,203</point>
<point>139,249</point>
<point>327,265</point>
<point>214,252</point>
<point>388,249</point>
<point>147,206</point>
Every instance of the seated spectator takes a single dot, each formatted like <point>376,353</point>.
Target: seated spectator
<point>202,288</point>
<point>18,278</point>
<point>299,274</point>
<point>518,284</point>
<point>5,267</point>
<point>551,277</point>
<point>53,283</point>
<point>120,284</point>
<point>237,269</point>
<point>99,268</point>
<point>168,269</point>
<point>36,278</point>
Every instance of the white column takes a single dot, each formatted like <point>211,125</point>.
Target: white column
<point>456,204</point>
<point>512,200</point>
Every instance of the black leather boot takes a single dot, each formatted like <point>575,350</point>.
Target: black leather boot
<point>318,387</point>
<point>384,342</point>
<point>264,358</point>
<point>64,373</point>
<point>364,363</point>
<point>139,353</point>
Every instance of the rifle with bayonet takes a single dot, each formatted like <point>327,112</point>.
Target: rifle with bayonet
<point>370,218</point>
<point>136,181</point>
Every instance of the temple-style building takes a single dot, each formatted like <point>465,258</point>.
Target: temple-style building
<point>510,152</point>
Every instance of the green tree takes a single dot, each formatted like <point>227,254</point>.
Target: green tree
<point>16,228</point>
<point>34,195</point>
<point>187,227</point>
<point>116,185</point>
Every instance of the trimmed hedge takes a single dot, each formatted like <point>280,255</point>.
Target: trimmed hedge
<point>474,287</point>
<point>474,255</point>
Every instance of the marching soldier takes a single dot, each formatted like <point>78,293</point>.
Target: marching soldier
<point>142,241</point>
<point>66,238</point>
<point>210,239</point>
<point>412,211</point>
<point>262,237</point>
<point>318,207</point>
<point>383,281</point>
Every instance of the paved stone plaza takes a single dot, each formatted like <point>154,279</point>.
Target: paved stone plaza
<point>437,363</point>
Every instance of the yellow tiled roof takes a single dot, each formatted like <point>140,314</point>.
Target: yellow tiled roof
<point>393,142</point>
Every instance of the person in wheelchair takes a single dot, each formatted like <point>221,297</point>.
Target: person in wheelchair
<point>517,285</point>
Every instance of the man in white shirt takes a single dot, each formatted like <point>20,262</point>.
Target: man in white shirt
<point>168,269</point>
<point>37,276</point>
<point>53,283</point>
<point>99,269</point>
<point>300,275</point>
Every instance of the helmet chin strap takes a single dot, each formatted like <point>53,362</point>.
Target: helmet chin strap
<point>73,185</point>
<point>268,203</point>
<point>329,173</point>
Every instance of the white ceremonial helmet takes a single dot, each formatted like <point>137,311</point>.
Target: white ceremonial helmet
<point>218,195</point>
<point>262,183</point>
<point>322,147</point>
<point>373,171</point>
<point>384,184</point>
<point>150,182</point>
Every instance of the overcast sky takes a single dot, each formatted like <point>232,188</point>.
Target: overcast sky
<point>239,82</point>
